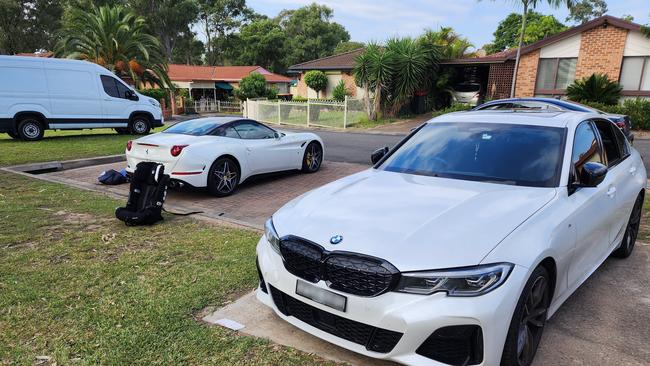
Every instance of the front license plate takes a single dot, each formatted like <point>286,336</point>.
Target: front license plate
<point>321,296</point>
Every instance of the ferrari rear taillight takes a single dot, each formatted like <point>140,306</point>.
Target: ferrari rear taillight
<point>176,149</point>
<point>129,144</point>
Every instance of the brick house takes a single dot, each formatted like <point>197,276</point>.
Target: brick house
<point>337,67</point>
<point>607,45</point>
<point>217,82</point>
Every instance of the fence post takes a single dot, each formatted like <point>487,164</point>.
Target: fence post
<point>308,112</point>
<point>219,106</point>
<point>279,114</point>
<point>345,112</point>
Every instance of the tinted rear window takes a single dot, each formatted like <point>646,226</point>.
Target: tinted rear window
<point>502,153</point>
<point>195,127</point>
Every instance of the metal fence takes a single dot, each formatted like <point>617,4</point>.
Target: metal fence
<point>218,106</point>
<point>313,112</point>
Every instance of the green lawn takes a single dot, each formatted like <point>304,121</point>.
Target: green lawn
<point>78,286</point>
<point>63,145</point>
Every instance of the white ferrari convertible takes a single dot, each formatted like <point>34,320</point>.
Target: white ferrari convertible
<point>221,152</point>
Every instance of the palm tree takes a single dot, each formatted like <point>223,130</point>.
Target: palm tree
<point>452,44</point>
<point>116,39</point>
<point>529,5</point>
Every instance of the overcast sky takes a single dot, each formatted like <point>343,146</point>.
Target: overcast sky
<point>377,20</point>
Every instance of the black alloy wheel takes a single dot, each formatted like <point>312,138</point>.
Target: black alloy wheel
<point>223,177</point>
<point>313,158</point>
<point>631,231</point>
<point>528,321</point>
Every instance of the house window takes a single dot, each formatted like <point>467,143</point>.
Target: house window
<point>635,74</point>
<point>555,74</point>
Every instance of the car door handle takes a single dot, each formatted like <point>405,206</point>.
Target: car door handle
<point>249,149</point>
<point>633,170</point>
<point>611,192</point>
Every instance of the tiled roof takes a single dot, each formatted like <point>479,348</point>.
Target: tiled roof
<point>220,73</point>
<point>341,61</point>
<point>511,54</point>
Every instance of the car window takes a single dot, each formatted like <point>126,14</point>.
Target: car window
<point>110,87</point>
<point>622,143</point>
<point>585,148</point>
<point>497,106</point>
<point>250,130</point>
<point>491,152</point>
<point>611,148</point>
<point>534,106</point>
<point>195,127</point>
<point>227,131</point>
<point>113,87</point>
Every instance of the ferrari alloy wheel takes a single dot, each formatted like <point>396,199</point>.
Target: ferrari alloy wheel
<point>528,321</point>
<point>631,230</point>
<point>313,157</point>
<point>223,177</point>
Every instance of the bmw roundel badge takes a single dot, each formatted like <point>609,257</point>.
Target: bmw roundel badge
<point>336,239</point>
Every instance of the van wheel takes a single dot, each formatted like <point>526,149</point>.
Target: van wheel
<point>140,125</point>
<point>30,129</point>
<point>13,135</point>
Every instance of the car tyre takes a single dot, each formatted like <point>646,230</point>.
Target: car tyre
<point>13,135</point>
<point>223,177</point>
<point>528,320</point>
<point>312,158</point>
<point>30,129</point>
<point>140,125</point>
<point>631,230</point>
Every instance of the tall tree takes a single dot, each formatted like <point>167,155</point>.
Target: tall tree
<point>508,31</point>
<point>261,43</point>
<point>526,6</point>
<point>188,50</point>
<point>28,26</point>
<point>585,10</point>
<point>311,33</point>
<point>347,46</point>
<point>115,38</point>
<point>219,19</point>
<point>168,20</point>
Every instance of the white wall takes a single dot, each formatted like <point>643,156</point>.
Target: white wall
<point>636,44</point>
<point>569,47</point>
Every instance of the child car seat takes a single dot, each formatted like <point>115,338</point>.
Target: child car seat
<point>146,195</point>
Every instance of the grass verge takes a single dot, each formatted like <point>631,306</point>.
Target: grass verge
<point>79,287</point>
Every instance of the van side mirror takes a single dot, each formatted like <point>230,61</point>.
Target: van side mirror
<point>379,154</point>
<point>130,94</point>
<point>592,175</point>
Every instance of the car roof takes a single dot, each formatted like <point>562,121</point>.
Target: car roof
<point>556,102</point>
<point>536,118</point>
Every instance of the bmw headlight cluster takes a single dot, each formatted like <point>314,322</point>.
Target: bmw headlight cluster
<point>471,281</point>
<point>272,235</point>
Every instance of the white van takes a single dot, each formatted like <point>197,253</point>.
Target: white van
<point>37,94</point>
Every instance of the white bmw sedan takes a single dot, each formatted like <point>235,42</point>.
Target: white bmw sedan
<point>221,152</point>
<point>460,242</point>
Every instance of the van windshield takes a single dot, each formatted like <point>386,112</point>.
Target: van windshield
<point>514,154</point>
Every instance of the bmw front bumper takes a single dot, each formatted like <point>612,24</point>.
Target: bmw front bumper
<point>416,317</point>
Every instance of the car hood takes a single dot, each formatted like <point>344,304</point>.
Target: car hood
<point>414,222</point>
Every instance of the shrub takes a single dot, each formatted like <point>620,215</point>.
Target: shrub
<point>298,98</point>
<point>316,80</point>
<point>456,107</point>
<point>156,94</point>
<point>595,88</point>
<point>639,111</point>
<point>253,86</point>
<point>340,91</point>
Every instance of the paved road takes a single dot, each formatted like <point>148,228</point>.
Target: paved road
<point>357,147</point>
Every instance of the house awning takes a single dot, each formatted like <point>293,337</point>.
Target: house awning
<point>222,85</point>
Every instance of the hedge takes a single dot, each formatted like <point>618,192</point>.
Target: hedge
<point>156,94</point>
<point>638,109</point>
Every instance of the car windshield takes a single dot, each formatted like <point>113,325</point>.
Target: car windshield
<point>493,152</point>
<point>193,127</point>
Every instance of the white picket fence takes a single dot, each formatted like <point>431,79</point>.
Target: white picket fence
<point>313,112</point>
<point>218,106</point>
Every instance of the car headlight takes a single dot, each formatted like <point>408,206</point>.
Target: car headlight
<point>272,235</point>
<point>154,103</point>
<point>471,281</point>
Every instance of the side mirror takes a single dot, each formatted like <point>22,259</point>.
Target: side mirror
<point>592,174</point>
<point>130,94</point>
<point>379,154</point>
<point>278,135</point>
